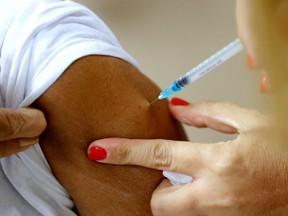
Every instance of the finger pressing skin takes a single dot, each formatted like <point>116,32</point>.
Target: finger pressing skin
<point>19,123</point>
<point>10,147</point>
<point>159,154</point>
<point>223,117</point>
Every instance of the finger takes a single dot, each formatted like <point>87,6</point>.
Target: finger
<point>223,117</point>
<point>10,147</point>
<point>177,156</point>
<point>18,123</point>
<point>248,31</point>
<point>173,200</point>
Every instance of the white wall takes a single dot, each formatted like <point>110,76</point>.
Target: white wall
<point>169,37</point>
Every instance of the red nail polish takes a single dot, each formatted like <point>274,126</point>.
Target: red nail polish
<point>179,102</point>
<point>97,153</point>
<point>249,61</point>
<point>264,85</point>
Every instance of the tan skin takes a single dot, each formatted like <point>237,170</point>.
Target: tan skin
<point>78,111</point>
<point>246,176</point>
<point>263,30</point>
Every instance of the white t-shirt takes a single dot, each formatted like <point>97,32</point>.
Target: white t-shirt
<point>39,39</point>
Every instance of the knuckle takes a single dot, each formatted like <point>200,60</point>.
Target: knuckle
<point>123,155</point>
<point>229,164</point>
<point>161,154</point>
<point>222,168</point>
<point>11,123</point>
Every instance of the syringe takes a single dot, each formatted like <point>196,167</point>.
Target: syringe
<point>203,68</point>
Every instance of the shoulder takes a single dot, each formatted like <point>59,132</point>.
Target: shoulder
<point>99,97</point>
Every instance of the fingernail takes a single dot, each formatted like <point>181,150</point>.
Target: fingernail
<point>97,153</point>
<point>264,83</point>
<point>179,102</point>
<point>249,61</point>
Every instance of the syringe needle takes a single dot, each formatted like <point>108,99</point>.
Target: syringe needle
<point>154,101</point>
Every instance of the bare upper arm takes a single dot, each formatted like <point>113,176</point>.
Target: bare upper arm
<point>99,97</point>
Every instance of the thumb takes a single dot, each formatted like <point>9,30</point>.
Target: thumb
<point>168,200</point>
<point>21,123</point>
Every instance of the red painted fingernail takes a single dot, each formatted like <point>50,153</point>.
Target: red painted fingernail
<point>97,153</point>
<point>264,83</point>
<point>179,102</point>
<point>249,61</point>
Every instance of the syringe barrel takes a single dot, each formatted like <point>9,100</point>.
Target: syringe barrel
<point>209,64</point>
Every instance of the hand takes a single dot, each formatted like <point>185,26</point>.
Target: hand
<point>20,128</point>
<point>245,176</point>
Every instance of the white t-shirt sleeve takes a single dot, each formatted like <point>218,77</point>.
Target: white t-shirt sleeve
<point>43,40</point>
<point>40,39</point>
